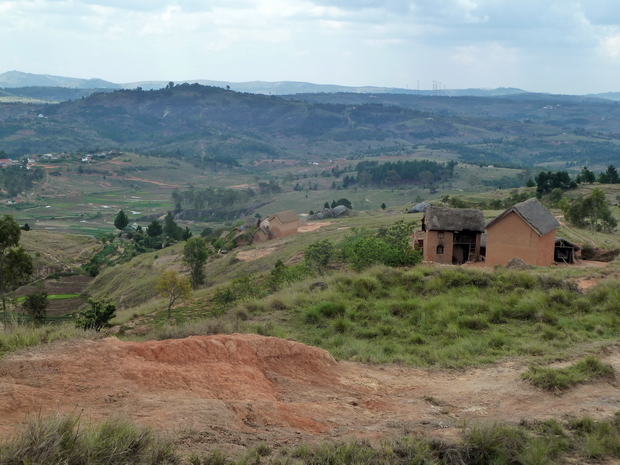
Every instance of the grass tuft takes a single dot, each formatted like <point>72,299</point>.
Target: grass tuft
<point>583,371</point>
<point>65,439</point>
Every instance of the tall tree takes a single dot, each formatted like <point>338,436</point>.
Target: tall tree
<point>195,254</point>
<point>15,263</point>
<point>171,229</point>
<point>121,221</point>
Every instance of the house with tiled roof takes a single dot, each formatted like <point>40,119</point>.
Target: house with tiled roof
<point>279,225</point>
<point>526,231</point>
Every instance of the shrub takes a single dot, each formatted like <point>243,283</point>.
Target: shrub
<point>96,317</point>
<point>35,305</point>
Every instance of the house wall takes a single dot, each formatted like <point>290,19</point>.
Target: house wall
<point>261,236</point>
<point>279,230</point>
<point>511,237</point>
<point>432,241</point>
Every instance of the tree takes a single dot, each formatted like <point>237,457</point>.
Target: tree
<point>344,202</point>
<point>195,254</point>
<point>15,263</point>
<point>187,233</point>
<point>592,211</point>
<point>35,305</point>
<point>96,317</point>
<point>172,286</point>
<point>171,229</point>
<point>587,176</point>
<point>154,229</point>
<point>121,221</point>
<point>318,255</point>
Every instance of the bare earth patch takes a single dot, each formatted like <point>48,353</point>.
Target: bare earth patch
<point>232,390</point>
<point>312,227</point>
<point>265,250</point>
<point>255,254</point>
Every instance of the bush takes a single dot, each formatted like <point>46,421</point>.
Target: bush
<point>96,317</point>
<point>35,305</point>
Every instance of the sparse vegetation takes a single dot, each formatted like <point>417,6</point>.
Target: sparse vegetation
<point>68,439</point>
<point>583,371</point>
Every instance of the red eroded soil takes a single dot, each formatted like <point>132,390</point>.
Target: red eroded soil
<point>229,391</point>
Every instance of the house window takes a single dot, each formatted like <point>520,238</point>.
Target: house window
<point>439,249</point>
<point>440,235</point>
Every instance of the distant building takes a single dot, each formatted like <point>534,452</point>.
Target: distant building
<point>452,235</point>
<point>283,224</point>
<point>526,231</point>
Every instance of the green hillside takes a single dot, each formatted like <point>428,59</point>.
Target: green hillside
<point>202,123</point>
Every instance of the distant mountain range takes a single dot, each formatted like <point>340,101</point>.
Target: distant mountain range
<point>18,79</point>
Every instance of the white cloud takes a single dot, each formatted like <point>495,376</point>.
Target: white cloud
<point>610,46</point>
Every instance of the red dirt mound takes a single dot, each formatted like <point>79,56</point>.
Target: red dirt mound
<point>228,391</point>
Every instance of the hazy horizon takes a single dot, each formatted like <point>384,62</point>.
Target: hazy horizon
<point>538,46</point>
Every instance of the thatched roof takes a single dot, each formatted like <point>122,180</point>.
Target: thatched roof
<point>533,213</point>
<point>453,219</point>
<point>288,216</point>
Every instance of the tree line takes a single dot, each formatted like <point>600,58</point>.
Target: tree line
<point>423,172</point>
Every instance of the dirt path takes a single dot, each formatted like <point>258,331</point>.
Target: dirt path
<point>232,390</point>
<point>576,233</point>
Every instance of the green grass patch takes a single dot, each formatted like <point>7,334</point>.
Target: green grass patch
<point>66,439</point>
<point>583,371</point>
<point>15,337</point>
<point>439,317</point>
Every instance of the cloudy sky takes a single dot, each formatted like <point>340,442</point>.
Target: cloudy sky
<point>557,46</point>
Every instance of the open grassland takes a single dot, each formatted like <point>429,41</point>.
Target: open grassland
<point>433,316</point>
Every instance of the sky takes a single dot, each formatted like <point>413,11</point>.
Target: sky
<point>555,46</point>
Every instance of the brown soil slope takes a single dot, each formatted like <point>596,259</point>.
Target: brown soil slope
<point>237,389</point>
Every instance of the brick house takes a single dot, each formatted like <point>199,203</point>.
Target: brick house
<point>526,231</point>
<point>279,225</point>
<point>452,235</point>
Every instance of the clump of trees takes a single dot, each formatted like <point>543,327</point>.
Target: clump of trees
<point>546,181</point>
<point>590,212</point>
<point>17,179</point>
<point>156,234</point>
<point>424,172</point>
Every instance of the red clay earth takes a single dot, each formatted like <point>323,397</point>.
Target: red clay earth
<point>229,391</point>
